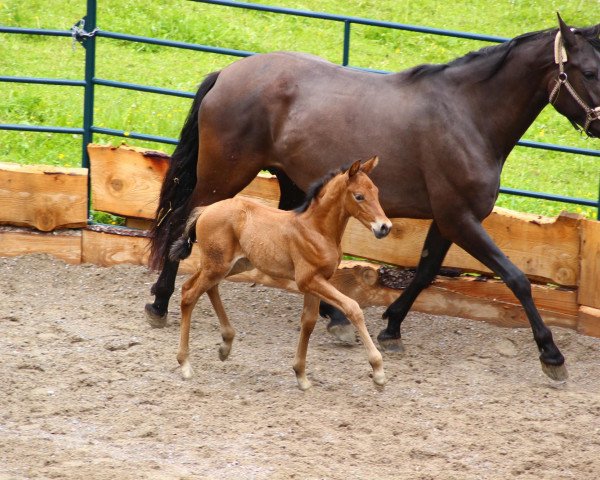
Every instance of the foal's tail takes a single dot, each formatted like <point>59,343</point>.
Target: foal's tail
<point>182,247</point>
<point>179,182</point>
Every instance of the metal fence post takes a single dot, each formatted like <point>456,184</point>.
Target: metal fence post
<point>90,67</point>
<point>346,54</point>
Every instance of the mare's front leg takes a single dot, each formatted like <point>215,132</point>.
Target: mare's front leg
<point>320,287</point>
<point>470,235</point>
<point>432,256</point>
<point>338,325</point>
<point>309,318</point>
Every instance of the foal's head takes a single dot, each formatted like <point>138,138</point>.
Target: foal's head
<point>361,199</point>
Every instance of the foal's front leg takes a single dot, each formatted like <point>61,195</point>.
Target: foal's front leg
<point>321,287</point>
<point>309,318</point>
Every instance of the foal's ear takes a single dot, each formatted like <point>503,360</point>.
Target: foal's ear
<point>568,37</point>
<point>354,168</point>
<point>370,164</point>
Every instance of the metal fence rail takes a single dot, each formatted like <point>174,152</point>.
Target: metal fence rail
<point>86,32</point>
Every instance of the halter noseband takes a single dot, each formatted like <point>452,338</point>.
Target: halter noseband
<point>560,58</point>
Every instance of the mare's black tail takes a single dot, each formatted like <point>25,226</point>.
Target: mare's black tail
<point>179,183</point>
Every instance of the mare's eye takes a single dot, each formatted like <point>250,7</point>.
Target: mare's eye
<point>359,197</point>
<point>590,75</point>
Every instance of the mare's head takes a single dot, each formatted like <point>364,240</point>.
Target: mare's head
<point>361,199</point>
<point>575,89</point>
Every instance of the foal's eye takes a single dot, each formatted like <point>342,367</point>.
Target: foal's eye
<point>359,197</point>
<point>590,75</point>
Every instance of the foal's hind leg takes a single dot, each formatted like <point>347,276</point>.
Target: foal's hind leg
<point>191,291</point>
<point>432,256</point>
<point>227,331</point>
<point>308,320</point>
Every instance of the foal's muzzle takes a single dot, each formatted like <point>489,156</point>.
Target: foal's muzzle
<point>381,229</point>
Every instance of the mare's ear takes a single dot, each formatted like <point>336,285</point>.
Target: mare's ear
<point>370,164</point>
<point>354,168</point>
<point>568,37</point>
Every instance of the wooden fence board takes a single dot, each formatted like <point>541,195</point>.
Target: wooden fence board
<point>42,196</point>
<point>545,249</point>
<point>589,321</point>
<point>65,245</point>
<point>126,181</point>
<point>589,291</point>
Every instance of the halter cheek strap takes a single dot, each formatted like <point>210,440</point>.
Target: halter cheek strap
<point>560,58</point>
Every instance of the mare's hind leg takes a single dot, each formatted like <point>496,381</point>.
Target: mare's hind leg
<point>472,237</point>
<point>156,312</point>
<point>432,256</point>
<point>308,320</point>
<point>227,331</point>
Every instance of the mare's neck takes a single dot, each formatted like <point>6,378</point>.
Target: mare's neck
<point>507,103</point>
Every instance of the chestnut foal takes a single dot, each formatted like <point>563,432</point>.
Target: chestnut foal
<point>236,235</point>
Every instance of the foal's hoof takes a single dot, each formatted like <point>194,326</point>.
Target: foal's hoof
<point>304,384</point>
<point>224,351</point>
<point>345,333</point>
<point>555,372</point>
<point>379,378</point>
<point>390,344</point>
<point>155,319</point>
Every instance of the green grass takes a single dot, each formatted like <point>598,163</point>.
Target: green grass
<point>21,55</point>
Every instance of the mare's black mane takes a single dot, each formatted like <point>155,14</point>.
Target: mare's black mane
<point>499,52</point>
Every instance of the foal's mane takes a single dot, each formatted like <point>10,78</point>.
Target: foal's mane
<point>499,53</point>
<point>316,187</point>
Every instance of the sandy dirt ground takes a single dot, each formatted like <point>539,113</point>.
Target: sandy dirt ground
<point>88,390</point>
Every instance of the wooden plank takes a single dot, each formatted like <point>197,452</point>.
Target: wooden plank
<point>559,300</point>
<point>589,291</point>
<point>546,249</point>
<point>126,181</point>
<point>106,248</point>
<point>63,244</point>
<point>589,321</point>
<point>42,196</point>
<point>459,297</point>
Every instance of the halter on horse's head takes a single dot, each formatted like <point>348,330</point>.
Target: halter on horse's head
<point>585,71</point>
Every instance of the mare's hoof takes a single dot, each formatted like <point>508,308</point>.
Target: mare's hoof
<point>155,319</point>
<point>390,344</point>
<point>345,333</point>
<point>556,372</point>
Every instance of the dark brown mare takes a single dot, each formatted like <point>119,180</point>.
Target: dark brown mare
<point>442,133</point>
